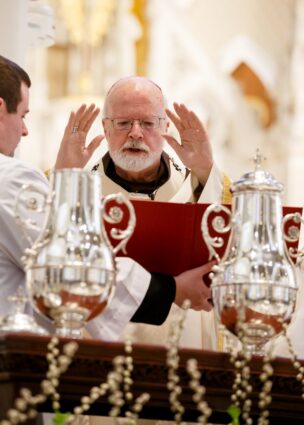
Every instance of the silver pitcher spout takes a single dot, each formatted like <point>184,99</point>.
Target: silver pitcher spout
<point>254,285</point>
<point>70,268</point>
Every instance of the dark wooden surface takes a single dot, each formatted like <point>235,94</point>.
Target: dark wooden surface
<point>23,364</point>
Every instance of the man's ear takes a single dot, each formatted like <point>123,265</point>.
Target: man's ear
<point>103,121</point>
<point>2,106</point>
<point>167,126</point>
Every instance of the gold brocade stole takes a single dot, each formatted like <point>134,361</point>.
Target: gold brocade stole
<point>226,195</point>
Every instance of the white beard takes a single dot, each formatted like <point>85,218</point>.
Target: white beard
<point>130,162</point>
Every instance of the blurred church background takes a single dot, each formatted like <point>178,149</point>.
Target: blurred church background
<point>237,63</point>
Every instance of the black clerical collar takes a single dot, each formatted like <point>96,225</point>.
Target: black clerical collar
<point>147,188</point>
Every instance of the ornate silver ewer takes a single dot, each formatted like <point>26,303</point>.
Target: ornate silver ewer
<point>70,268</point>
<point>254,285</point>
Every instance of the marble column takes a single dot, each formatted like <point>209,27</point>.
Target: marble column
<point>13,29</point>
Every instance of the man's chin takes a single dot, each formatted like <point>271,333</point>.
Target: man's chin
<point>133,166</point>
<point>135,152</point>
<point>133,163</point>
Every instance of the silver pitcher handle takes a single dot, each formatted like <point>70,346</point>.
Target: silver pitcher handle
<point>34,200</point>
<point>115,216</point>
<point>218,223</point>
<point>292,235</point>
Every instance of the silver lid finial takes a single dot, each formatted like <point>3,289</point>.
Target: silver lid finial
<point>258,159</point>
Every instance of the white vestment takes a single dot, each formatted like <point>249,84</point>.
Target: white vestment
<point>200,330</point>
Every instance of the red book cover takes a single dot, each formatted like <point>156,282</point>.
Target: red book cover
<point>168,237</point>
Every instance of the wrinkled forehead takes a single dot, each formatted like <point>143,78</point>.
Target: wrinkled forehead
<point>132,95</point>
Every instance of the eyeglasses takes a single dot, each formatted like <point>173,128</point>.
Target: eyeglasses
<point>122,124</point>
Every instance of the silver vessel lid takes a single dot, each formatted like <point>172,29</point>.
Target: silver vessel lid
<point>258,180</point>
<point>20,321</point>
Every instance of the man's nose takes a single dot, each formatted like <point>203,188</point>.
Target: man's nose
<point>24,130</point>
<point>136,130</point>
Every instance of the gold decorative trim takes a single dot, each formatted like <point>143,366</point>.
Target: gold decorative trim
<point>226,196</point>
<point>139,9</point>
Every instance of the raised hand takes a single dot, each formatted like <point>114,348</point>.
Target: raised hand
<point>194,148</point>
<point>73,151</point>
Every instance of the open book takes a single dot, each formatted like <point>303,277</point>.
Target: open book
<point>168,238</point>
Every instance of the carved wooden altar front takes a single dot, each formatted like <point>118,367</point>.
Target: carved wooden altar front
<point>23,364</point>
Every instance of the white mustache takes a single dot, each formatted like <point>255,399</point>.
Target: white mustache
<point>136,144</point>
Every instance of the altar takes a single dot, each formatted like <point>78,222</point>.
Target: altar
<point>23,364</point>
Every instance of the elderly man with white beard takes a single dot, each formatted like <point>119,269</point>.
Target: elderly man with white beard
<point>135,120</point>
